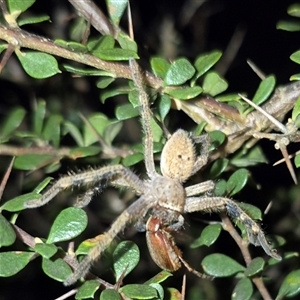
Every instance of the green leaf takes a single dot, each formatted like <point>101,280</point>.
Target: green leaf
<point>294,10</point>
<point>37,64</point>
<point>220,265</point>
<point>217,139</point>
<point>208,236</point>
<point>12,122</point>
<point>88,72</point>
<point>160,277</point>
<point>38,116</point>
<point>160,291</point>
<point>68,224</point>
<point>116,54</point>
<point>7,234</point>
<point>164,106</point>
<point>33,20</point>
<point>51,130</point>
<point>220,187</point>
<point>80,152</point>
<point>205,61</point>
<point>13,262</point>
<point>19,6</point>
<point>32,161</point>
<point>213,84</point>
<point>288,25</point>
<point>112,131</point>
<point>139,291</point>
<point>237,181</point>
<point>88,289</point>
<point>218,167</point>
<point>290,286</point>
<point>104,82</point>
<point>42,185</point>
<point>99,122</point>
<point>133,97</point>
<point>253,211</point>
<point>57,269</point>
<point>126,257</point>
<point>110,295</point>
<point>45,250</point>
<point>17,204</point>
<point>160,66</point>
<point>296,57</point>
<point>296,110</point>
<point>295,77</point>
<point>297,161</point>
<point>105,42</point>
<point>254,156</point>
<point>126,42</point>
<point>73,130</point>
<point>256,266</point>
<point>132,159</point>
<point>116,9</point>
<point>126,111</point>
<point>264,90</point>
<point>184,93</point>
<point>112,93</point>
<point>180,71</point>
<point>243,290</point>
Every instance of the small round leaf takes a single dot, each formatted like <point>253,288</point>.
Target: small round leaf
<point>220,265</point>
<point>205,61</point>
<point>68,224</point>
<point>110,295</point>
<point>180,71</point>
<point>184,93</point>
<point>290,286</point>
<point>264,90</point>
<point>139,291</point>
<point>237,181</point>
<point>13,262</point>
<point>88,289</point>
<point>160,66</point>
<point>57,269</point>
<point>256,266</point>
<point>208,236</point>
<point>45,250</point>
<point>126,256</point>
<point>213,84</point>
<point>126,111</point>
<point>17,204</point>
<point>37,64</point>
<point>7,234</point>
<point>243,290</point>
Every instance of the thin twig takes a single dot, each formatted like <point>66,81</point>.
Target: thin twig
<point>227,225</point>
<point>5,178</point>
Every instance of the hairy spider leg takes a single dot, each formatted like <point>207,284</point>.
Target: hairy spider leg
<point>136,210</point>
<point>218,204</point>
<point>90,177</point>
<point>146,115</point>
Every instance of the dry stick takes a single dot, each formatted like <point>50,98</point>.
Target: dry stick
<point>227,225</point>
<point>198,109</point>
<point>283,129</point>
<point>91,12</point>
<point>5,178</point>
<point>24,39</point>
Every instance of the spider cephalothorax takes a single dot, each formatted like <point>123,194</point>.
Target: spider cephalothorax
<point>162,197</point>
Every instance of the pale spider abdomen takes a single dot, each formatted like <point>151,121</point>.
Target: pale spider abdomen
<point>178,156</point>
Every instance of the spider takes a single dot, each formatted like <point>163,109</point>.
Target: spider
<point>162,196</point>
